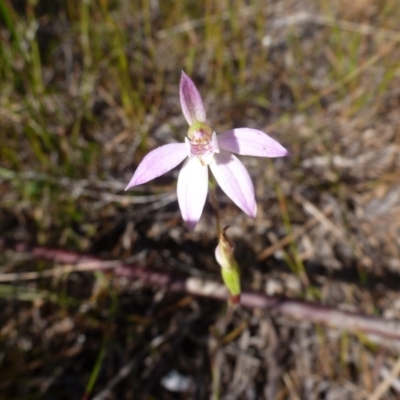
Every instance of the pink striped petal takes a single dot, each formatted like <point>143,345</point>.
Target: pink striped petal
<point>192,191</point>
<point>158,162</point>
<point>235,181</point>
<point>191,102</point>
<point>250,142</point>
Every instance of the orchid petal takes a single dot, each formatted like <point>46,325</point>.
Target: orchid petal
<point>235,181</point>
<point>251,142</point>
<point>158,162</point>
<point>192,191</point>
<point>191,102</point>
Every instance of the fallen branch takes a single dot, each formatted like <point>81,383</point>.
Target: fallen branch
<point>378,330</point>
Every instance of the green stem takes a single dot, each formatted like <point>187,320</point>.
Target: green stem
<point>214,202</point>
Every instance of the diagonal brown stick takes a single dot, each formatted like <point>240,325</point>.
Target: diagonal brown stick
<point>378,330</point>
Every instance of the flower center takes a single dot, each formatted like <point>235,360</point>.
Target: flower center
<point>202,142</point>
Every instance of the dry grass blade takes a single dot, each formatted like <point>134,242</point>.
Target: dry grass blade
<point>380,390</point>
<point>292,236</point>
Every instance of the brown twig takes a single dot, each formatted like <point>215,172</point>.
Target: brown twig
<point>382,388</point>
<point>378,330</point>
<point>291,237</point>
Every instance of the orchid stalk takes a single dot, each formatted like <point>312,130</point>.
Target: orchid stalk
<point>224,254</point>
<point>203,148</point>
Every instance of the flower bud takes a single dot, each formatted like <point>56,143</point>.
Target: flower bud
<point>229,267</point>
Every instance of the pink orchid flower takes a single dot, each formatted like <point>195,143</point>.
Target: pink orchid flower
<point>203,149</point>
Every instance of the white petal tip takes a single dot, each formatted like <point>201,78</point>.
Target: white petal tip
<point>128,186</point>
<point>132,183</point>
<point>251,211</point>
<point>191,225</point>
<point>285,153</point>
<point>277,151</point>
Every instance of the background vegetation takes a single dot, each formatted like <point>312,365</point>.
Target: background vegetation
<point>88,87</point>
